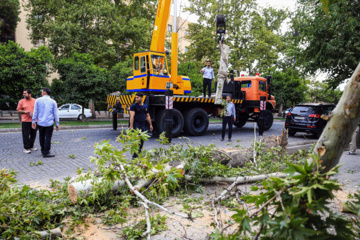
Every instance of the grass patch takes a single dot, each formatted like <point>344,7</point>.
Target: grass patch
<point>215,120</point>
<point>67,123</point>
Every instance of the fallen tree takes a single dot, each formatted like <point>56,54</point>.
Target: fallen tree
<point>342,123</point>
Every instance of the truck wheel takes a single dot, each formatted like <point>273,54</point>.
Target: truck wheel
<point>268,120</point>
<point>196,121</point>
<point>178,122</point>
<point>240,123</point>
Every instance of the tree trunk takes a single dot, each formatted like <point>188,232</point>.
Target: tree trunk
<point>238,157</point>
<point>223,72</point>
<point>92,108</point>
<point>341,125</point>
<point>281,110</point>
<point>82,113</point>
<point>83,189</point>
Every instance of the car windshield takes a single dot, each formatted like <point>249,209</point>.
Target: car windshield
<point>303,109</point>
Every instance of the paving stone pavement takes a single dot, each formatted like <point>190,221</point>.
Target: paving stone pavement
<point>80,142</point>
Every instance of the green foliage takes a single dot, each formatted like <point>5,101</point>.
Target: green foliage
<point>20,69</point>
<point>25,210</point>
<point>331,41</point>
<point>295,207</point>
<point>119,73</point>
<point>322,92</point>
<point>36,163</point>
<point>82,80</point>
<point>72,156</point>
<point>288,86</point>
<point>192,70</point>
<point>108,30</point>
<point>136,232</point>
<point>9,15</point>
<point>253,34</point>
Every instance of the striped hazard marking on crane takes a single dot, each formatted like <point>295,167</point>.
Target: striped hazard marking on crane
<point>125,101</point>
<point>201,100</point>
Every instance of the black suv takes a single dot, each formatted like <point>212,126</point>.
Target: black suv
<point>306,117</point>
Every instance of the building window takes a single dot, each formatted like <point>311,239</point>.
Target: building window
<point>169,28</point>
<point>187,32</point>
<point>186,49</point>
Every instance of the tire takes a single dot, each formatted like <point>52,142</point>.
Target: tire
<point>178,122</point>
<point>240,123</point>
<point>196,121</point>
<point>80,116</point>
<point>269,119</point>
<point>292,132</point>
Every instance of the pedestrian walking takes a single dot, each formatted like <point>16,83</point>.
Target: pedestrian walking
<point>45,111</point>
<point>353,141</point>
<point>208,74</point>
<point>229,117</point>
<point>26,109</point>
<point>139,114</point>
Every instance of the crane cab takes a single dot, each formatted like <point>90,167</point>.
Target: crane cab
<point>151,73</point>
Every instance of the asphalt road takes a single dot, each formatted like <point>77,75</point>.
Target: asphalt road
<point>80,142</point>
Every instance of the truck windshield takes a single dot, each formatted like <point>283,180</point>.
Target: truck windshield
<point>245,84</point>
<point>159,65</point>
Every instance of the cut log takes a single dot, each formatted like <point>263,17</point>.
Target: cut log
<point>83,189</point>
<point>51,234</point>
<point>348,206</point>
<point>234,157</point>
<point>239,180</point>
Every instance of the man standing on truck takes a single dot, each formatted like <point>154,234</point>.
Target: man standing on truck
<point>139,113</point>
<point>208,74</point>
<point>228,118</point>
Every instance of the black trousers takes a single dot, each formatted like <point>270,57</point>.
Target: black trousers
<point>207,83</point>
<point>140,149</point>
<point>45,134</point>
<point>142,128</point>
<point>229,121</point>
<point>28,134</point>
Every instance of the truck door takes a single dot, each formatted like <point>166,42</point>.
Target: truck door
<point>262,89</point>
<point>143,73</point>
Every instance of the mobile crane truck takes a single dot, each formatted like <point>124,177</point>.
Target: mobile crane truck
<point>190,114</point>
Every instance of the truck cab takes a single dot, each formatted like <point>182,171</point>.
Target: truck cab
<point>255,87</point>
<point>150,74</point>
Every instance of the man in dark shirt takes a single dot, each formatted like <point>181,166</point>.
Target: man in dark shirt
<point>139,113</point>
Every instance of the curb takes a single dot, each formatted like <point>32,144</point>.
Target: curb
<point>9,130</point>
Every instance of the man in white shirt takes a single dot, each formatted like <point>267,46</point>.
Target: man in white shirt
<point>229,117</point>
<point>208,74</point>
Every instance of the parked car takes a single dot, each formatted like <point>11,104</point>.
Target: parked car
<point>73,110</point>
<point>306,117</point>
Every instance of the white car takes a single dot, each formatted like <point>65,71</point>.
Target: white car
<point>73,110</point>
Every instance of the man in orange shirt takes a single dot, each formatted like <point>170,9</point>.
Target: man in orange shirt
<point>26,109</point>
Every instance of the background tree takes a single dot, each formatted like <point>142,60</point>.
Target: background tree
<point>253,33</point>
<point>9,16</point>
<point>108,30</point>
<point>288,86</point>
<point>83,79</point>
<point>192,70</point>
<point>330,42</point>
<point>322,92</point>
<point>20,69</point>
